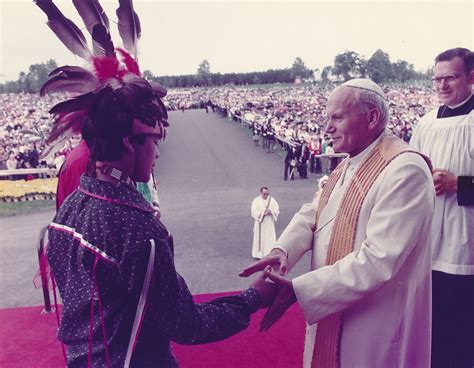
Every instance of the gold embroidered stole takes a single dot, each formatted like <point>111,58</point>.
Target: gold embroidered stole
<point>260,225</point>
<point>328,335</point>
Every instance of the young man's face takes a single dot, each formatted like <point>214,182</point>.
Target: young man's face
<point>147,152</point>
<point>452,82</point>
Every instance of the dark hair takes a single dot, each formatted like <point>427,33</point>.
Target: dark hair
<point>111,117</point>
<point>466,55</point>
<point>262,188</point>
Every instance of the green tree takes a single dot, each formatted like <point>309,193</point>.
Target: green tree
<point>402,71</point>
<point>327,71</point>
<point>37,75</point>
<point>379,67</point>
<point>148,75</point>
<point>204,73</point>
<point>349,65</point>
<point>299,69</point>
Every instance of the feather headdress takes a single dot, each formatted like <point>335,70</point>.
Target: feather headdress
<point>106,68</point>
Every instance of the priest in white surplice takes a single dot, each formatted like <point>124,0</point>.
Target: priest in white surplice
<point>265,212</point>
<point>369,288</point>
<point>446,135</point>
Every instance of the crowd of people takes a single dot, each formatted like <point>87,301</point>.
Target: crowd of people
<point>24,121</point>
<point>293,114</point>
<point>392,266</point>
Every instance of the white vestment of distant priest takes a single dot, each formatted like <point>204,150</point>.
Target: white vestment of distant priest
<point>264,236</point>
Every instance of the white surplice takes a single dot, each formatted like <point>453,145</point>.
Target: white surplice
<point>383,287</point>
<point>449,143</point>
<point>264,236</point>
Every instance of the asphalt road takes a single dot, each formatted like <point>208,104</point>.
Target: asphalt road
<point>209,172</point>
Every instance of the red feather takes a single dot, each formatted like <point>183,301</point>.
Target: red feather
<point>106,67</point>
<point>130,63</point>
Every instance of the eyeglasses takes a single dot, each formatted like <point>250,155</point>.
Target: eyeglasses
<point>448,79</point>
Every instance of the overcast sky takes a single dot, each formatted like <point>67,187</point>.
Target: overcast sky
<point>249,36</point>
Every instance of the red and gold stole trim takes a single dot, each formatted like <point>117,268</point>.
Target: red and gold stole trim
<point>328,335</point>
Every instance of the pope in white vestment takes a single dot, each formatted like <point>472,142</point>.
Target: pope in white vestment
<point>367,298</point>
<point>384,286</point>
<point>265,212</point>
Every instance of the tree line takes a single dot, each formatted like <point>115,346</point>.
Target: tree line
<point>347,65</point>
<point>378,67</point>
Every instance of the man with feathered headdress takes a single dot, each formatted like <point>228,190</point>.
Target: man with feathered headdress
<point>112,259</point>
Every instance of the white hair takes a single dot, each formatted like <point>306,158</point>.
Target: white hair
<point>367,100</point>
<point>368,95</point>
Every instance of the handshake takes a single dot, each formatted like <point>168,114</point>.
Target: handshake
<point>276,294</point>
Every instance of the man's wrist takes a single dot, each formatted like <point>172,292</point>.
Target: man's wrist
<point>253,299</point>
<point>453,184</point>
<point>280,248</point>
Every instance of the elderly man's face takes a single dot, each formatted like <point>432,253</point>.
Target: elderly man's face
<point>348,125</point>
<point>452,82</point>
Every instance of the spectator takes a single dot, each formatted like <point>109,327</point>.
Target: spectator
<point>446,135</point>
<point>264,211</point>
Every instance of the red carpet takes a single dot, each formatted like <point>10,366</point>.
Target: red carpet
<point>28,340</point>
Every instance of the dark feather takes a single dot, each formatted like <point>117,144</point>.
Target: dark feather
<point>128,26</point>
<point>68,33</point>
<point>131,78</point>
<point>64,127</point>
<point>69,118</point>
<point>91,13</point>
<point>163,112</point>
<point>82,102</point>
<point>159,90</point>
<point>52,148</point>
<point>101,41</point>
<point>68,69</point>
<point>70,79</point>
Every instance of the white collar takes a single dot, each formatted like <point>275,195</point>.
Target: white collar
<point>356,160</point>
<point>461,103</point>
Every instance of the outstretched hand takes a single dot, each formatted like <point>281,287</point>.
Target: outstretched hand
<point>276,259</point>
<point>266,290</point>
<point>285,298</point>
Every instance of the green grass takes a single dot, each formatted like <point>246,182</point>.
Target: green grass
<point>20,208</point>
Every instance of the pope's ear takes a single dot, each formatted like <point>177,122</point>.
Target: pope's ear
<point>374,118</point>
<point>127,144</point>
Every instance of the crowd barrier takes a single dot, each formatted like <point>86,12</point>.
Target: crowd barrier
<point>283,141</point>
<point>23,172</point>
<point>331,155</point>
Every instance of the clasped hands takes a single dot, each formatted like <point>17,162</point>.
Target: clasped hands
<point>278,295</point>
<point>444,181</point>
